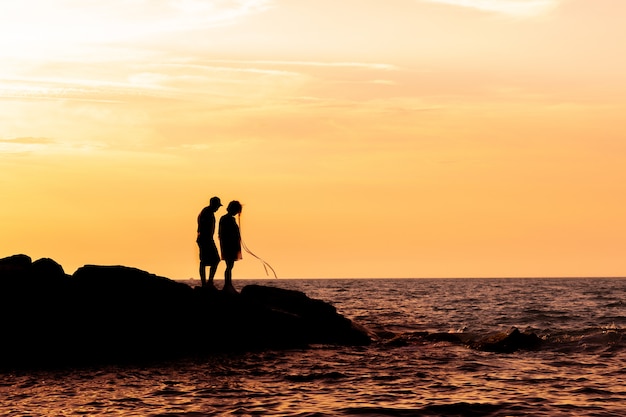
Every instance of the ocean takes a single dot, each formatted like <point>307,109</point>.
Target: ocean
<point>579,369</point>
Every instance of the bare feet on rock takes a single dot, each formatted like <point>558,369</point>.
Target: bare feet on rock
<point>230,289</point>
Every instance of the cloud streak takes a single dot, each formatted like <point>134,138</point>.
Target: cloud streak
<point>117,14</point>
<point>44,27</point>
<point>35,88</point>
<point>182,78</point>
<point>39,145</point>
<point>327,64</point>
<point>518,8</point>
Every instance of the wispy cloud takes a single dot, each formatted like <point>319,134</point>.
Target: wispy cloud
<point>40,145</point>
<point>27,141</point>
<point>61,25</point>
<point>519,8</point>
<point>186,78</point>
<point>97,90</point>
<point>227,69</point>
<point>116,14</point>
<point>333,64</point>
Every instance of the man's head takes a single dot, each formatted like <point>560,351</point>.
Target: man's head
<point>215,202</point>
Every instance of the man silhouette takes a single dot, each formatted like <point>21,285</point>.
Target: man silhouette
<point>208,251</point>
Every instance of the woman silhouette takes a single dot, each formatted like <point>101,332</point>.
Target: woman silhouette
<point>230,242</point>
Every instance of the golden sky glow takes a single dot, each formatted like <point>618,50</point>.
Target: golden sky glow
<point>365,138</point>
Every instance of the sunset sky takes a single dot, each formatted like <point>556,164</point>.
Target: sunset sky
<point>365,138</point>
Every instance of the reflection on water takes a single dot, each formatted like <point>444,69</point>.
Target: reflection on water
<point>579,371</point>
<point>330,382</point>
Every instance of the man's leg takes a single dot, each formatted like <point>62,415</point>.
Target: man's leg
<point>212,271</point>
<point>202,273</point>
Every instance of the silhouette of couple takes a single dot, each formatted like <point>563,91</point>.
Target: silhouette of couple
<point>230,242</point>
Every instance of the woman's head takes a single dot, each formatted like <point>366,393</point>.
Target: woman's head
<point>234,207</point>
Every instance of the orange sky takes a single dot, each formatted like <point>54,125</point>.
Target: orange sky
<point>400,138</point>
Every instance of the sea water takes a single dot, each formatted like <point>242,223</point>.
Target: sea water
<point>578,370</point>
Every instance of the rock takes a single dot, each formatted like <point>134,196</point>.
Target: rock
<point>19,272</point>
<point>320,320</point>
<point>500,342</point>
<point>507,342</point>
<point>14,266</point>
<point>118,314</point>
<point>46,267</point>
<point>15,261</point>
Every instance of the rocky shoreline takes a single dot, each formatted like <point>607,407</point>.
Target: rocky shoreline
<point>118,314</point>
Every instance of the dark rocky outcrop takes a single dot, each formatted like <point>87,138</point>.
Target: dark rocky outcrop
<point>500,342</point>
<point>117,314</point>
<point>507,342</point>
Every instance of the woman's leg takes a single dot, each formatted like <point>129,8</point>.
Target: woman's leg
<point>228,273</point>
